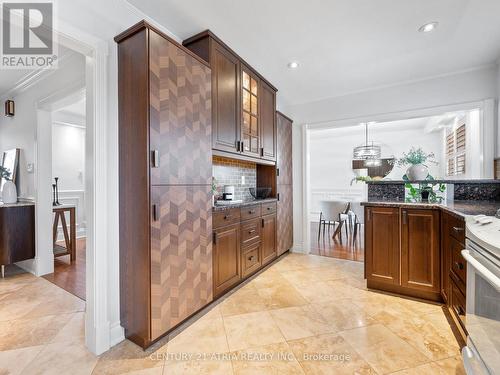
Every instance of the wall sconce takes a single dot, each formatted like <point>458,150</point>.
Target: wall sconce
<point>9,108</point>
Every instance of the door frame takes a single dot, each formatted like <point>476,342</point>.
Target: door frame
<point>100,334</point>
<point>487,130</point>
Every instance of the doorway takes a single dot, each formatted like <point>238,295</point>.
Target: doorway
<point>330,147</point>
<point>68,199</point>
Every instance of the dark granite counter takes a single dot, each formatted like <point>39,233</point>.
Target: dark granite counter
<point>242,204</point>
<point>477,181</point>
<point>459,208</point>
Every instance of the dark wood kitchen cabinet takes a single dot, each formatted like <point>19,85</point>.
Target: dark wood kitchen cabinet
<point>454,271</point>
<point>269,243</point>
<point>226,258</point>
<point>402,251</point>
<point>420,250</point>
<point>165,201</point>
<point>382,245</point>
<point>243,103</point>
<point>268,126</point>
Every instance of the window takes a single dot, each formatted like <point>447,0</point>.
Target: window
<point>455,151</point>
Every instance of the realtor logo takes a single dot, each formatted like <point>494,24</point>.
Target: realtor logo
<point>28,36</point>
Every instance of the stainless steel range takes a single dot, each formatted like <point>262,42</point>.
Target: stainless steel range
<point>482,353</point>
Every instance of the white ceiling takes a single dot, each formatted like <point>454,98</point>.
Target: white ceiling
<point>343,46</point>
<point>11,78</point>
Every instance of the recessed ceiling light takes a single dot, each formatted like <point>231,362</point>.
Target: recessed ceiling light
<point>293,65</point>
<point>428,27</point>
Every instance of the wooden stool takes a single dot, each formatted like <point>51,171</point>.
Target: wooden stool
<point>69,239</point>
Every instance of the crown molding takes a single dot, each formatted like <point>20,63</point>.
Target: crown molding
<point>33,77</point>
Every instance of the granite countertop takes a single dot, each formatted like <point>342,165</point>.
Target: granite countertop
<point>242,204</point>
<point>400,182</point>
<point>18,204</point>
<point>460,208</point>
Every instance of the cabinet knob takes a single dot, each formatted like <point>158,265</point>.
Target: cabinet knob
<point>227,217</point>
<point>251,212</point>
<point>459,265</point>
<point>250,258</point>
<point>251,231</point>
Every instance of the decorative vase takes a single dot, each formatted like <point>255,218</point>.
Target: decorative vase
<point>417,172</point>
<point>9,192</point>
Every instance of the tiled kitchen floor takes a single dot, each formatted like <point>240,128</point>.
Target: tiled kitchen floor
<point>305,314</point>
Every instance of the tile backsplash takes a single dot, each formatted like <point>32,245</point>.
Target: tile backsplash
<point>230,172</point>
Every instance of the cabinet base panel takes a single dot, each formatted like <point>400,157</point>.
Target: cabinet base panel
<point>397,289</point>
<point>456,327</point>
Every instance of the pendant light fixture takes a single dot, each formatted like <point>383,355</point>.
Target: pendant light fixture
<point>369,152</point>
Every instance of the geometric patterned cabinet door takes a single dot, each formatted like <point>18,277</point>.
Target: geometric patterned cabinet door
<point>285,218</point>
<point>284,157</point>
<point>181,254</point>
<point>180,113</point>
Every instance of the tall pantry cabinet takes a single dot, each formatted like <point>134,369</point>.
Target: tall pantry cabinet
<point>165,172</point>
<point>284,183</point>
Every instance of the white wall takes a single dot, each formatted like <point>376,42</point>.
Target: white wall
<point>68,163</point>
<point>472,86</point>
<point>20,131</point>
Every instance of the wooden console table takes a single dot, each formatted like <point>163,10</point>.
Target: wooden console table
<point>69,239</point>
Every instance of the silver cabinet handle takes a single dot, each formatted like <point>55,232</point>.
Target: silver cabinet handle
<point>155,156</point>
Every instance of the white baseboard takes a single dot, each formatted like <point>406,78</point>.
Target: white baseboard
<point>298,247</point>
<point>116,334</point>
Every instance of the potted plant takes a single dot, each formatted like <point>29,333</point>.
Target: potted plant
<point>416,159</point>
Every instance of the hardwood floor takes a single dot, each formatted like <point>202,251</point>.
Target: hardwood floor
<point>346,249</point>
<point>70,277</point>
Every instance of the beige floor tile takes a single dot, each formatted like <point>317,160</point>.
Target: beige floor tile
<point>280,296</point>
<point>127,357</point>
<point>62,358</point>
<point>271,359</point>
<point>302,277</point>
<point>435,342</point>
<point>74,330</point>
<point>21,333</point>
<point>251,330</point>
<point>449,366</point>
<point>320,292</point>
<point>382,349</point>
<point>286,264</point>
<point>13,362</point>
<point>213,313</point>
<point>244,300</point>
<point>344,314</point>
<point>202,337</point>
<point>328,354</point>
<point>301,321</point>
<point>198,367</point>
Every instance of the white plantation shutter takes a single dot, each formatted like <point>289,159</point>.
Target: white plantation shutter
<point>455,151</point>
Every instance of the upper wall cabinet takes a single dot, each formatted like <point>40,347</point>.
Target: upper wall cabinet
<point>243,103</point>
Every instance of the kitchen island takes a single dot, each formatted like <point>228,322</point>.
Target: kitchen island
<point>414,249</point>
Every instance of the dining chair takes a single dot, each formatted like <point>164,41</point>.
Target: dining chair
<point>332,213</point>
<point>357,214</point>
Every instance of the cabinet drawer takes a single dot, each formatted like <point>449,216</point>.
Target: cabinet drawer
<point>251,260</point>
<point>457,302</point>
<point>226,217</point>
<point>456,228</point>
<point>268,208</point>
<point>250,212</point>
<point>458,263</point>
<point>250,231</point>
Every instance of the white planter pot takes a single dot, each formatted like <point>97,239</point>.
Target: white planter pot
<point>417,172</point>
<point>9,193</point>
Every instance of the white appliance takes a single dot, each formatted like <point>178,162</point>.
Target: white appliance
<point>482,253</point>
<point>228,194</point>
